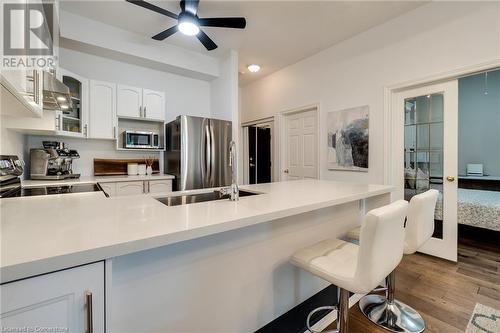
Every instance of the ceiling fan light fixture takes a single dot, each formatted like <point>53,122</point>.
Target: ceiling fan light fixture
<point>188,25</point>
<point>188,22</point>
<point>253,68</point>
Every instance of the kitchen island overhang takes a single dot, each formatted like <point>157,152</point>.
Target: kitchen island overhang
<point>216,266</point>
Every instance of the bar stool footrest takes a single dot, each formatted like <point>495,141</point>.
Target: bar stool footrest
<point>321,308</point>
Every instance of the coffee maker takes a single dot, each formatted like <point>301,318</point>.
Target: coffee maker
<point>53,161</point>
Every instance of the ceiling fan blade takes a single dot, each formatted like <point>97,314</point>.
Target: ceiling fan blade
<point>206,41</point>
<point>224,22</point>
<point>190,6</point>
<point>154,8</point>
<point>167,33</point>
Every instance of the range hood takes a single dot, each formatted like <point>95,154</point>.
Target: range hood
<point>56,95</point>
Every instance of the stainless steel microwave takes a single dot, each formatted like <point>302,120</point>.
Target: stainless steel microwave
<point>139,139</point>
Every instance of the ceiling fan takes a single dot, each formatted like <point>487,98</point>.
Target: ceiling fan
<point>189,23</point>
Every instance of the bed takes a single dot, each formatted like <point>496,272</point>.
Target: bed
<point>477,208</point>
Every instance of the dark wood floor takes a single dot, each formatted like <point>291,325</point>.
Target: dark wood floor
<point>444,293</point>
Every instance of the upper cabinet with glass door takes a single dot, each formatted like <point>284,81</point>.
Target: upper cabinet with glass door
<point>74,119</point>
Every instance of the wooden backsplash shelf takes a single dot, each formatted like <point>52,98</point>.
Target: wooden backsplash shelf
<point>110,167</point>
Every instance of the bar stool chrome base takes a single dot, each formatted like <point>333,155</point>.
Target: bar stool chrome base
<point>396,317</point>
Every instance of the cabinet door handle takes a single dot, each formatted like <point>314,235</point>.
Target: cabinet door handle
<point>144,112</point>
<point>114,132</point>
<point>90,316</point>
<point>58,122</point>
<point>140,111</point>
<point>39,99</point>
<point>35,86</point>
<point>86,130</point>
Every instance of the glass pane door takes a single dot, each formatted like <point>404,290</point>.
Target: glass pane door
<point>424,149</point>
<point>72,117</point>
<point>426,118</point>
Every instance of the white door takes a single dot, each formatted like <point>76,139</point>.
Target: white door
<point>129,188</point>
<point>129,101</point>
<point>102,110</point>
<point>425,156</point>
<point>154,104</point>
<point>301,145</point>
<point>59,301</point>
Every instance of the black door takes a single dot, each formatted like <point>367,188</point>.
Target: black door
<point>263,155</point>
<point>252,154</point>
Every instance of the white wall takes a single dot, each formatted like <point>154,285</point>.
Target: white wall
<point>135,47</point>
<point>11,142</point>
<point>433,39</point>
<point>88,150</point>
<point>224,88</point>
<point>224,96</point>
<point>183,95</point>
<point>479,122</point>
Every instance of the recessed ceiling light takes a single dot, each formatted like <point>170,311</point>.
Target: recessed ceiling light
<point>65,107</point>
<point>254,68</point>
<point>61,98</point>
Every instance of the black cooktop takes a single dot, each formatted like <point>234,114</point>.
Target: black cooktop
<point>47,190</point>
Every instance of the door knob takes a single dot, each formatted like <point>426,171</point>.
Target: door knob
<point>286,171</point>
<point>450,178</point>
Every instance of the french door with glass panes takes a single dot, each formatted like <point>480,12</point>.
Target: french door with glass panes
<point>425,151</point>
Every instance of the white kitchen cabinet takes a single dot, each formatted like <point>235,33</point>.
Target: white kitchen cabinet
<point>133,102</point>
<point>129,101</point>
<point>159,186</point>
<point>65,301</point>
<point>153,104</point>
<point>129,188</point>
<point>102,115</point>
<point>109,188</point>
<point>137,187</point>
<point>22,93</point>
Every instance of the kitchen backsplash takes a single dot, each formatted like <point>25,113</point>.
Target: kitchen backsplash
<point>88,150</point>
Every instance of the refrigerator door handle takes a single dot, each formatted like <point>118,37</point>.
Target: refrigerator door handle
<point>212,156</point>
<point>203,153</point>
<point>208,155</point>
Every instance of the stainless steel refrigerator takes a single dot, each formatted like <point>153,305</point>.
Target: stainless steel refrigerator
<point>197,152</point>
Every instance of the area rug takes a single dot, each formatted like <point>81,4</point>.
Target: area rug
<point>484,320</point>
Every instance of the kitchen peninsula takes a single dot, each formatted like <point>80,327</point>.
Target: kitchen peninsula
<point>223,262</point>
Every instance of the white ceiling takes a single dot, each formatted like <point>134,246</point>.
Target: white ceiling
<point>278,33</point>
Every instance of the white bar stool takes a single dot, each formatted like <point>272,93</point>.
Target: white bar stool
<point>354,268</point>
<point>387,312</point>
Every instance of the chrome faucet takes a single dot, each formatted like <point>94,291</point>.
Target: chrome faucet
<point>232,190</point>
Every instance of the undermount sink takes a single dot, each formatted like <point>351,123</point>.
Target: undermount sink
<point>177,200</point>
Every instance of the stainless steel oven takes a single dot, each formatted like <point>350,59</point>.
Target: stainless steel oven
<point>140,139</point>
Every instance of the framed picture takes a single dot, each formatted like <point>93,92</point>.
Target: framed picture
<point>348,139</point>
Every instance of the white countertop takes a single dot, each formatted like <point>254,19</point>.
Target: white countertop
<point>94,179</point>
<point>45,233</point>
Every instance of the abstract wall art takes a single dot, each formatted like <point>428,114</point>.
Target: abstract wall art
<point>348,139</point>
